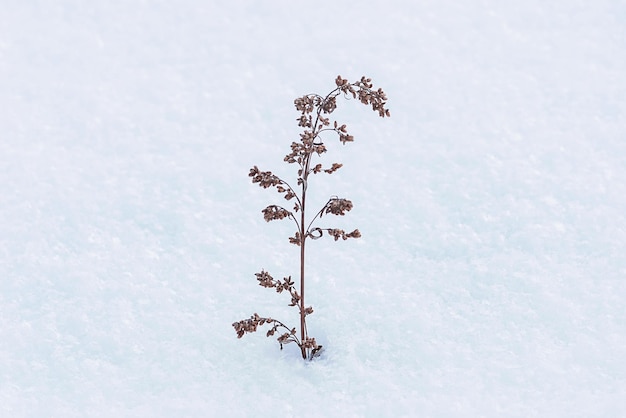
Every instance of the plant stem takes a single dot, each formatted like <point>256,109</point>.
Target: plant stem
<point>303,236</point>
<point>306,166</point>
<point>302,240</point>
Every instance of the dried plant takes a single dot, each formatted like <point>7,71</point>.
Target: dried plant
<point>313,119</point>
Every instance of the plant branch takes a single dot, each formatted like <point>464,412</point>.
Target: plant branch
<point>319,214</point>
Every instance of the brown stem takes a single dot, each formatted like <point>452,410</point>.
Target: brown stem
<point>303,236</point>
<point>303,330</point>
<point>302,319</point>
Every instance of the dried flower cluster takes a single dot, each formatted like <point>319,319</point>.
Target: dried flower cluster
<point>266,280</point>
<point>313,119</point>
<point>338,206</point>
<point>273,213</point>
<point>366,95</point>
<point>264,178</point>
<point>316,233</point>
<point>255,321</point>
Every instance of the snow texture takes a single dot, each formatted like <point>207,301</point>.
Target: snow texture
<point>491,276</point>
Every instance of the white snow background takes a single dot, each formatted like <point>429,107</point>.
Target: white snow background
<point>491,276</point>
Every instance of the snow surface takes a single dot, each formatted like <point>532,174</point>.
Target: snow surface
<point>491,276</point>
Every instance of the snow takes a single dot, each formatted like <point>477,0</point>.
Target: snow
<point>491,276</point>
